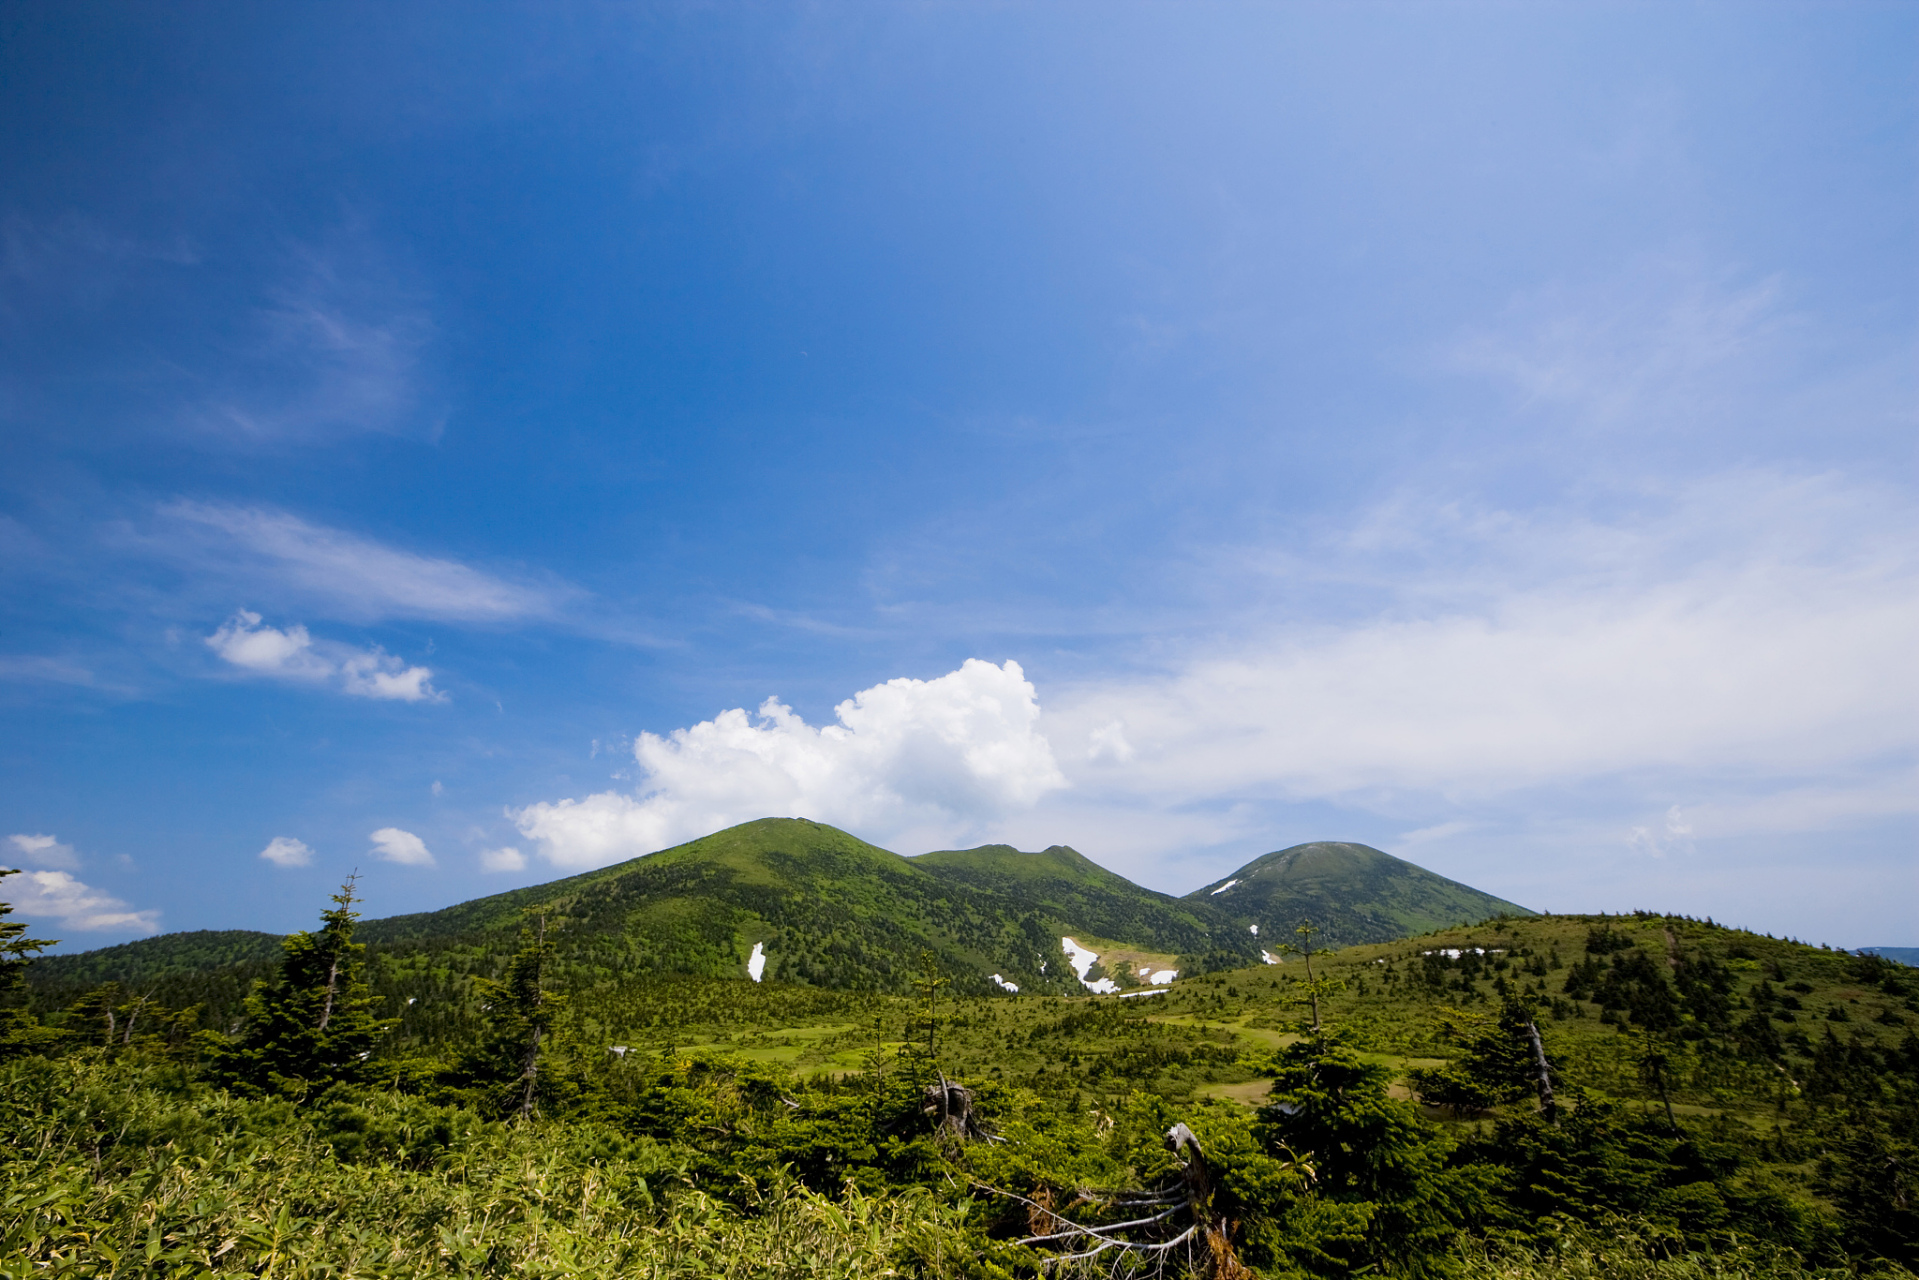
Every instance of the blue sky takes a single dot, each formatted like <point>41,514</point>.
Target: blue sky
<point>476,445</point>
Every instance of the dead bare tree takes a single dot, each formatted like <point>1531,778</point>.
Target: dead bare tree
<point>949,1104</point>
<point>1171,1223</point>
<point>1545,1070</point>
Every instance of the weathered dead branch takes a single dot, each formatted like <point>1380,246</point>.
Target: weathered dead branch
<point>949,1104</point>
<point>1172,1223</point>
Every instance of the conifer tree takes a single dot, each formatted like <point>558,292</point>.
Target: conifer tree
<point>20,1032</point>
<point>312,1025</point>
<point>1502,1059</point>
<point>1309,991</point>
<point>521,1013</point>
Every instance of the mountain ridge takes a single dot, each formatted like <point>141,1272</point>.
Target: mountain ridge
<point>830,910</point>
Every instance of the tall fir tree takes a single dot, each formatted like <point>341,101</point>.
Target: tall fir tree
<point>521,1013</point>
<point>20,1032</point>
<point>312,1025</point>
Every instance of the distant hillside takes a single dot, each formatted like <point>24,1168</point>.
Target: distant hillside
<point>1353,893</point>
<point>827,909</point>
<point>1071,888</point>
<point>1898,955</point>
<point>210,967</point>
<point>808,904</point>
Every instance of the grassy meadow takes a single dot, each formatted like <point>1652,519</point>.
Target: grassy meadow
<point>1723,1104</point>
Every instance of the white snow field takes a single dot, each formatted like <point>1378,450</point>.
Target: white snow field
<point>1081,959</point>
<point>756,963</point>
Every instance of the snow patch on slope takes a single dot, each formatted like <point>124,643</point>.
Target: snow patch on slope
<point>1269,957</point>
<point>1223,888</point>
<point>1082,960</point>
<point>756,963</point>
<point>1004,985</point>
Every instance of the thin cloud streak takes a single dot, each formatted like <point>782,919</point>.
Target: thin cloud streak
<point>1749,634</point>
<point>358,578</point>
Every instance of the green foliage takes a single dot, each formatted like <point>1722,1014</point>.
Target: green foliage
<point>1626,1249</point>
<point>1062,890</point>
<point>117,1021</point>
<point>520,1015</point>
<point>120,1171</point>
<point>1496,1064</point>
<point>20,1031</point>
<point>1383,1192</point>
<point>312,1025</point>
<point>1773,1136</point>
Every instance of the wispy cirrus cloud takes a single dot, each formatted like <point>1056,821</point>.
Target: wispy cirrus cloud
<point>349,575</point>
<point>245,641</point>
<point>45,669</point>
<point>337,347</point>
<point>1742,640</point>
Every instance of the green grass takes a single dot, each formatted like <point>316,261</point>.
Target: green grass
<point>128,1172</point>
<point>134,1168</point>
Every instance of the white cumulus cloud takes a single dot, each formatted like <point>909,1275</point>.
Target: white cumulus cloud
<point>71,904</point>
<point>285,851</point>
<point>245,641</point>
<point>403,847</point>
<point>907,755</point>
<point>44,851</point>
<point>503,859</point>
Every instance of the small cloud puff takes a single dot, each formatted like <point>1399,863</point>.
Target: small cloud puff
<point>1675,836</point>
<point>906,755</point>
<point>285,851</point>
<point>45,851</point>
<point>506,859</point>
<point>246,642</point>
<point>403,847</point>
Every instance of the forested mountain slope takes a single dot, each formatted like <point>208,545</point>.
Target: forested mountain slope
<point>1071,888</point>
<point>1352,893</point>
<point>826,909</point>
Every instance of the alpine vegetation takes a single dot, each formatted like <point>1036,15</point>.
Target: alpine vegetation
<point>782,1052</point>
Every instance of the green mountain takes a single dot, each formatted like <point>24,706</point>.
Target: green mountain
<point>804,903</point>
<point>1352,893</point>
<point>1071,889</point>
<point>811,904</point>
